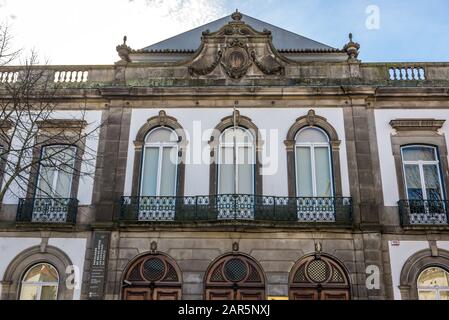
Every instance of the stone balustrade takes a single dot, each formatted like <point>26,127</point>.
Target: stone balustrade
<point>177,75</point>
<point>71,76</point>
<point>407,73</point>
<point>8,76</point>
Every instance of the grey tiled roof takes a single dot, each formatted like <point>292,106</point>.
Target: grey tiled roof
<point>283,40</point>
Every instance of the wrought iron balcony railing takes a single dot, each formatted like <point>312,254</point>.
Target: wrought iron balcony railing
<point>47,210</point>
<point>236,208</point>
<point>423,212</point>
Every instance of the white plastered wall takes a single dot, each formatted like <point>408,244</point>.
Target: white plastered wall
<point>266,119</point>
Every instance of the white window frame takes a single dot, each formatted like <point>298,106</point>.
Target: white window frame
<point>311,146</point>
<point>437,290</point>
<point>421,165</point>
<point>57,171</point>
<point>39,285</point>
<point>235,148</point>
<point>160,146</point>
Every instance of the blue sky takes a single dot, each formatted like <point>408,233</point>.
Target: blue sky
<point>410,30</point>
<point>87,31</point>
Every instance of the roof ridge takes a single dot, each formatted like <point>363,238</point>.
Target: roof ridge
<point>282,38</point>
<point>199,27</point>
<point>289,31</point>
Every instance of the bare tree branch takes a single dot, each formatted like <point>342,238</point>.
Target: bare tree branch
<point>37,140</point>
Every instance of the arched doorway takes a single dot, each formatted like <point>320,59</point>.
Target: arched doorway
<point>235,277</point>
<point>152,277</point>
<point>319,277</point>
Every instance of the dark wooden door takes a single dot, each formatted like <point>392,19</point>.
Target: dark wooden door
<point>240,294</point>
<point>153,277</point>
<point>141,294</point>
<point>167,294</point>
<point>312,294</point>
<point>335,295</point>
<point>235,277</point>
<point>304,295</point>
<point>144,294</point>
<point>318,277</point>
<point>216,294</point>
<point>250,294</point>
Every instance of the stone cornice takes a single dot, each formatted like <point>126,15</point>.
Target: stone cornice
<point>417,124</point>
<point>61,124</point>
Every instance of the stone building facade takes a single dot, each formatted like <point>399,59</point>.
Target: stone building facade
<point>340,193</point>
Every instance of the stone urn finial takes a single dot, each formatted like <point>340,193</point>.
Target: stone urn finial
<point>352,48</point>
<point>123,50</point>
<point>236,16</point>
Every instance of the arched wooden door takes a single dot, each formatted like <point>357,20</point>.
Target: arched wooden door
<point>235,277</point>
<point>319,278</point>
<point>152,277</point>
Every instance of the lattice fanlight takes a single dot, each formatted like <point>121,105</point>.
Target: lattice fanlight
<point>235,269</point>
<point>320,270</point>
<point>154,268</point>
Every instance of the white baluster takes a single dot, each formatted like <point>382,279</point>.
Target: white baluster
<point>56,76</point>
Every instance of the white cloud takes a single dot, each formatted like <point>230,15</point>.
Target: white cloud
<point>87,32</point>
<point>189,12</point>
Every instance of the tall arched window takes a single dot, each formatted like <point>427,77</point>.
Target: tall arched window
<point>236,162</point>
<point>160,163</point>
<point>40,283</point>
<point>422,173</point>
<point>313,163</point>
<point>433,284</point>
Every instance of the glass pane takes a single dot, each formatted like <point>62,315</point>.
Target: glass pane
<point>312,135</point>
<point>49,293</point>
<point>432,180</point>
<point>242,136</point>
<point>150,168</point>
<point>45,184</point>
<point>245,171</point>
<point>162,135</point>
<point>322,173</point>
<point>413,180</point>
<point>434,277</point>
<point>67,156</point>
<point>29,292</point>
<point>63,184</point>
<point>41,273</point>
<point>57,155</point>
<point>303,172</point>
<point>57,162</point>
<point>226,171</point>
<point>168,174</point>
<point>427,295</point>
<point>419,153</point>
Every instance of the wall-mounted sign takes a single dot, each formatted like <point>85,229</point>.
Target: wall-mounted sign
<point>395,243</point>
<point>99,257</point>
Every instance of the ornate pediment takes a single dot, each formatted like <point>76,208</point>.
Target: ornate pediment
<point>237,50</point>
